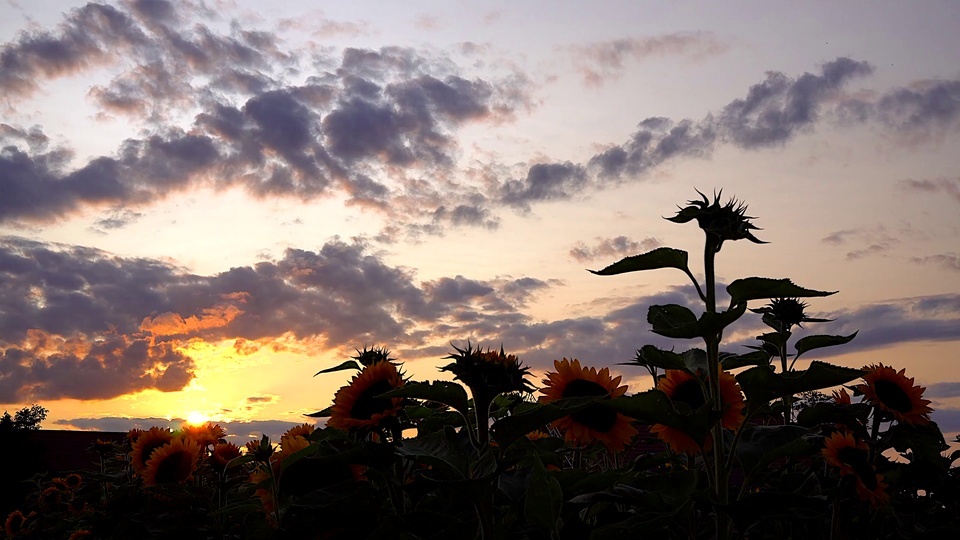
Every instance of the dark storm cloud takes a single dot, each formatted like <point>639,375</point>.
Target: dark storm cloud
<point>619,246</point>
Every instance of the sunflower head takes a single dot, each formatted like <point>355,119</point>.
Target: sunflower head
<point>368,357</point>
<point>14,523</point>
<point>222,454</point>
<point>595,423</point>
<point>172,463</point>
<point>895,394</point>
<point>850,456</point>
<point>687,390</point>
<point>207,434</point>
<point>720,222</point>
<point>785,313</point>
<point>488,373</point>
<point>356,405</point>
<point>261,449</point>
<point>73,481</point>
<point>146,444</point>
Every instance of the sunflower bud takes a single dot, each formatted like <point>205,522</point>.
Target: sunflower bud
<point>783,313</point>
<point>489,372</point>
<point>720,222</point>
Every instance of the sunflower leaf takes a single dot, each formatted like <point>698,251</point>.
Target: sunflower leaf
<point>761,385</point>
<point>446,392</point>
<point>651,356</point>
<point>654,407</point>
<point>526,419</point>
<point>349,364</point>
<point>757,288</point>
<point>809,343</point>
<point>761,445</point>
<point>322,414</point>
<point>543,500</point>
<point>758,357</point>
<point>673,321</point>
<point>663,257</point>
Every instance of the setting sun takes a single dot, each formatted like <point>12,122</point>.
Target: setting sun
<point>197,418</point>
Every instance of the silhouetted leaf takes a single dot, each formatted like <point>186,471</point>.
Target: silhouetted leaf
<point>321,414</point>
<point>659,258</point>
<point>673,321</point>
<point>654,407</point>
<point>756,288</point>
<point>761,445</point>
<point>543,500</point>
<point>446,392</point>
<point>809,343</point>
<point>349,364</point>
<point>758,357</point>
<point>761,384</point>
<point>536,415</point>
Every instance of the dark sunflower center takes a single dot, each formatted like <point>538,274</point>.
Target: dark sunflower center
<point>595,417</point>
<point>890,394</point>
<point>368,404</point>
<point>584,388</point>
<point>690,393</point>
<point>854,457</point>
<point>174,468</point>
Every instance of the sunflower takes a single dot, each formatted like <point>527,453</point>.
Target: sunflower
<point>850,456</point>
<point>260,448</point>
<point>488,373</point>
<point>845,452</point>
<point>172,463</point>
<point>595,422</point>
<point>356,406</point>
<point>222,454</point>
<point>683,387</point>
<point>841,397</point>
<point>73,480</point>
<point>82,533</point>
<point>14,523</point>
<point>303,430</point>
<point>145,444</point>
<point>134,434</point>
<point>720,222</point>
<point>895,394</point>
<point>206,435</point>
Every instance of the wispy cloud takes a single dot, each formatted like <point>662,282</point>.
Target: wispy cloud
<point>619,246</point>
<point>603,61</point>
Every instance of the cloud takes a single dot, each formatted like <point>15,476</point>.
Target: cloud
<point>600,62</point>
<point>943,390</point>
<point>605,248</point>
<point>82,323</point>
<point>925,318</point>
<point>868,241</point>
<point>947,261</point>
<point>946,186</point>
<point>238,432</point>
<point>775,109</point>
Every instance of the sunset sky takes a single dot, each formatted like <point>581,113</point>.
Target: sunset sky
<point>204,203</point>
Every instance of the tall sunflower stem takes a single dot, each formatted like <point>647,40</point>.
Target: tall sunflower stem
<point>720,480</point>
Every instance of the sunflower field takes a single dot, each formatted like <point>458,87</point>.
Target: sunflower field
<point>724,445</point>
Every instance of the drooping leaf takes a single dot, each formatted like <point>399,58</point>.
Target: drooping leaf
<point>446,392</point>
<point>446,452</point>
<point>761,445</point>
<point>809,343</point>
<point>543,500</point>
<point>322,414</point>
<point>651,356</point>
<point>713,323</point>
<point>663,257</point>
<point>654,407</point>
<point>758,357</point>
<point>349,364</point>
<point>534,416</point>
<point>757,288</point>
<point>761,385</point>
<point>673,321</point>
